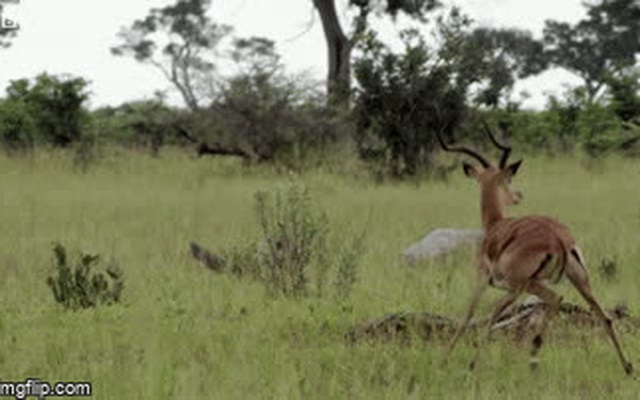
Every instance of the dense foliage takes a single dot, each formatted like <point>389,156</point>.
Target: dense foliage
<point>49,110</point>
<point>448,77</point>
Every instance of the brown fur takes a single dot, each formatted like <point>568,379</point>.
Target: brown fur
<point>527,238</point>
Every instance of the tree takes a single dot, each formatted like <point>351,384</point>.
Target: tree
<point>340,44</point>
<point>598,47</point>
<point>179,40</point>
<point>403,99</point>
<point>504,55</point>
<point>260,113</point>
<point>624,91</point>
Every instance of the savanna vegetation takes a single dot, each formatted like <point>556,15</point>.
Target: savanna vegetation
<point>299,197</point>
<point>180,329</point>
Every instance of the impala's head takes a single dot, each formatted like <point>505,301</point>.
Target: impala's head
<point>497,180</point>
<point>494,180</point>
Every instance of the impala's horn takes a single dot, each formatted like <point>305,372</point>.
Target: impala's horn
<point>506,150</point>
<point>464,150</point>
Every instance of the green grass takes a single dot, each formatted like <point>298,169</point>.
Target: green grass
<point>184,332</point>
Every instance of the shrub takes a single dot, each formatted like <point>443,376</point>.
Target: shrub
<point>294,235</point>
<point>296,252</point>
<point>82,285</point>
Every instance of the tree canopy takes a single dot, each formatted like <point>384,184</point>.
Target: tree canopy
<point>340,42</point>
<point>178,39</point>
<point>602,45</point>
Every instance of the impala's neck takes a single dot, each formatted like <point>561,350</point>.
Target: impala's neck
<point>491,208</point>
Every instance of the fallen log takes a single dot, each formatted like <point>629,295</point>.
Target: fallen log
<point>210,260</point>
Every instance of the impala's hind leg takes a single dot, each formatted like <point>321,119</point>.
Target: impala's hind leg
<point>552,300</point>
<point>578,276</point>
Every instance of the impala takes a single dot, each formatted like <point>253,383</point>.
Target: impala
<point>523,254</point>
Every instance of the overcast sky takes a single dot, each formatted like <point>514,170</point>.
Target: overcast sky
<point>74,36</point>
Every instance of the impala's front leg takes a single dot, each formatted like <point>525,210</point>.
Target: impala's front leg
<point>502,304</point>
<point>481,285</point>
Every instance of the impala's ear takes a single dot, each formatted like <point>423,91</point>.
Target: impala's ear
<point>512,169</point>
<point>470,170</point>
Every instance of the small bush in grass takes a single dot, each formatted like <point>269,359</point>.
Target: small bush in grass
<point>608,269</point>
<point>295,253</point>
<point>294,232</point>
<point>84,284</point>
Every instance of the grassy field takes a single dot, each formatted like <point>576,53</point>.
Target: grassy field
<point>184,332</point>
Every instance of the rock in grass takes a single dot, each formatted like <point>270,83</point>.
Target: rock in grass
<point>442,241</point>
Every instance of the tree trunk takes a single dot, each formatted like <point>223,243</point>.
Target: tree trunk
<point>339,53</point>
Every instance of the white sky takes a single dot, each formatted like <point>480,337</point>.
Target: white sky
<point>74,36</point>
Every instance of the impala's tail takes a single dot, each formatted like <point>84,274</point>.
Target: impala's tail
<point>577,255</point>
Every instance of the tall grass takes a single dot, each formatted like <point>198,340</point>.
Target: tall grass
<point>181,331</point>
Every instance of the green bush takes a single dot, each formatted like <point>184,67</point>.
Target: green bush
<point>82,285</point>
<point>294,235</point>
<point>296,253</point>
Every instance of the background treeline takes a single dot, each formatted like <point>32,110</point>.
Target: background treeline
<point>382,105</point>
